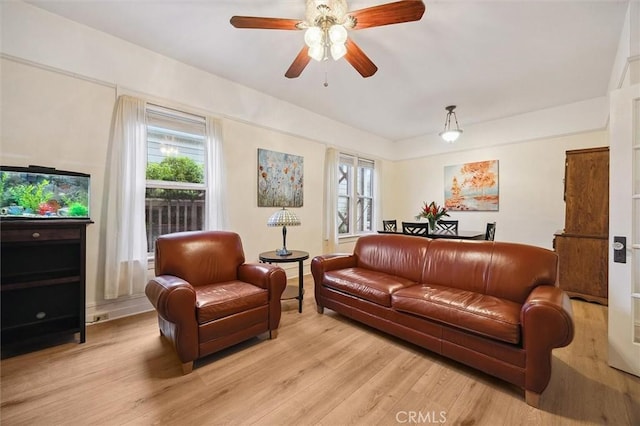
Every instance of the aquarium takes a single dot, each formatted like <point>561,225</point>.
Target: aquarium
<point>37,192</point>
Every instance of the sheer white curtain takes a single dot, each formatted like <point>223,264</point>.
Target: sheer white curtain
<point>216,217</point>
<point>332,157</point>
<point>126,243</point>
<point>377,195</point>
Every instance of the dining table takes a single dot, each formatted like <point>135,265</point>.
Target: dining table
<point>459,235</point>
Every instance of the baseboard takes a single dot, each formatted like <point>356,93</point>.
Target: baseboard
<point>111,309</point>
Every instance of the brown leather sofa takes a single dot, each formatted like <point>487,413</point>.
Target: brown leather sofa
<point>207,298</point>
<point>494,306</point>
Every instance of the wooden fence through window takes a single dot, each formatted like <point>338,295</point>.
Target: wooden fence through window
<point>167,216</point>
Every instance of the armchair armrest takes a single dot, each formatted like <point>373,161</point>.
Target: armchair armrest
<point>173,297</point>
<point>547,323</point>
<point>175,301</point>
<point>263,275</point>
<point>270,277</point>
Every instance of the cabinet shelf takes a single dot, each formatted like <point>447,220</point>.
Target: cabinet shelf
<point>20,284</point>
<point>42,283</point>
<point>23,339</point>
<point>40,322</point>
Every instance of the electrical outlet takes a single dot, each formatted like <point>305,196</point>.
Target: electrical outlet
<point>100,317</point>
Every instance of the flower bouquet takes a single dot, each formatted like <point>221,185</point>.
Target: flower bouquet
<point>432,212</point>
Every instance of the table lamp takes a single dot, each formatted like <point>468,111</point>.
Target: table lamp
<point>283,218</point>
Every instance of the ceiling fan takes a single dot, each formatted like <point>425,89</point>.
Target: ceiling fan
<point>326,23</point>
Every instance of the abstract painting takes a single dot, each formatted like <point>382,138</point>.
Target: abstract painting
<point>471,186</point>
<point>280,179</point>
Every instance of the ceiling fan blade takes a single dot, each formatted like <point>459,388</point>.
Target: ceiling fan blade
<point>387,14</point>
<point>359,60</point>
<point>299,63</point>
<point>264,23</point>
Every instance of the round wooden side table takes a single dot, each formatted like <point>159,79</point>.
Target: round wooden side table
<point>295,256</point>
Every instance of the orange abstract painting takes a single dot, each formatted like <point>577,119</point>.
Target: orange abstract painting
<point>472,186</point>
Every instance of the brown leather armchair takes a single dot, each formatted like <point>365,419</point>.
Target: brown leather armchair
<point>207,298</point>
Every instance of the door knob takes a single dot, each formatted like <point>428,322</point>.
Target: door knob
<point>620,249</point>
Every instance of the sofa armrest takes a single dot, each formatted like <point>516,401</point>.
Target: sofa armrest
<point>324,263</point>
<point>547,323</point>
<point>330,262</point>
<point>270,277</point>
<point>175,302</point>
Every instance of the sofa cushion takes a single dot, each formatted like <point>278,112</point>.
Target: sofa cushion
<point>219,300</point>
<point>373,286</point>
<point>396,255</point>
<point>504,270</point>
<point>475,312</point>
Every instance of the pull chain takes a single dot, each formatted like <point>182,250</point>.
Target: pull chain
<point>326,83</point>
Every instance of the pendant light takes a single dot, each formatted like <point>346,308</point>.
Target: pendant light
<point>448,134</point>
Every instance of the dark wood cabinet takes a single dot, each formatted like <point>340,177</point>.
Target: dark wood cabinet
<point>582,246</point>
<point>42,270</point>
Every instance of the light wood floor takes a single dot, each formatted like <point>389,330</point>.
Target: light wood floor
<point>322,369</point>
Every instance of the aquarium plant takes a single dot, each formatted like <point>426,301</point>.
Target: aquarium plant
<point>78,209</point>
<point>3,197</point>
<point>31,196</point>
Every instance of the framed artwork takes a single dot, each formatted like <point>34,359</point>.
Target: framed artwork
<point>472,186</point>
<point>280,179</point>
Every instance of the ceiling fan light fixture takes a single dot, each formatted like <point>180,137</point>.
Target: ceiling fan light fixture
<point>317,52</point>
<point>326,23</point>
<point>315,8</point>
<point>450,135</point>
<point>337,34</point>
<point>313,36</point>
<point>338,50</point>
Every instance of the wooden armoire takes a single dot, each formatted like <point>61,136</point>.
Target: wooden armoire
<point>582,246</point>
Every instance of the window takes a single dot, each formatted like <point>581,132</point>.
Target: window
<point>355,195</point>
<point>175,173</point>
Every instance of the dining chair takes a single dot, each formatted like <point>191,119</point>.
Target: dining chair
<point>491,231</point>
<point>390,225</point>
<point>415,228</point>
<point>447,226</point>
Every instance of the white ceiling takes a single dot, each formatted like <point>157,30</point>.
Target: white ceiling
<point>493,59</point>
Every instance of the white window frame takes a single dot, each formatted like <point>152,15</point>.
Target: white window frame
<point>169,114</point>
<point>354,196</point>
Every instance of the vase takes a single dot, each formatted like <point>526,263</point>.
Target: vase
<point>432,224</point>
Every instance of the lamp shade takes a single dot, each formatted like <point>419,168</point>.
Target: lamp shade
<point>283,217</point>
<point>450,135</point>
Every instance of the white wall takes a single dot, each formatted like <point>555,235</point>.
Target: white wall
<point>530,186</point>
<point>241,143</point>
